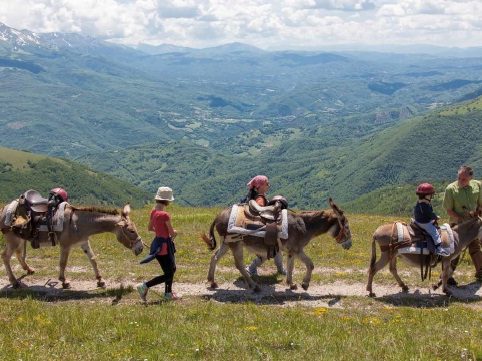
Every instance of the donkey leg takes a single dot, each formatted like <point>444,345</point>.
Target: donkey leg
<point>237,249</point>
<point>21,256</point>
<point>289,277</point>
<point>92,258</point>
<point>374,268</point>
<point>278,261</point>
<point>447,272</point>
<point>309,269</point>
<point>220,252</point>
<point>11,245</point>
<point>393,271</point>
<point>64,256</point>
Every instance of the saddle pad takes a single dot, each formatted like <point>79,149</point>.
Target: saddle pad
<point>57,221</point>
<point>234,224</point>
<point>451,248</point>
<point>10,212</point>
<point>413,250</point>
<point>416,250</point>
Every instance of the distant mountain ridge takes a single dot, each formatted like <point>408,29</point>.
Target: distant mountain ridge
<point>206,120</point>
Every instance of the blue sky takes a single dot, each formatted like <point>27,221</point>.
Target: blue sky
<point>282,24</point>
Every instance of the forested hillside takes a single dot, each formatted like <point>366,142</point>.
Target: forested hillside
<point>204,121</point>
<point>20,171</point>
<point>308,170</point>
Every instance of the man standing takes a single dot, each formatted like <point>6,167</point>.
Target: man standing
<point>461,197</point>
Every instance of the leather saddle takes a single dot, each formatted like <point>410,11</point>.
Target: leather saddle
<point>34,201</point>
<point>267,214</point>
<point>267,218</point>
<point>37,211</point>
<point>420,237</point>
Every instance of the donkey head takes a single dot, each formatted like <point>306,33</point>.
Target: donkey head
<point>126,232</point>
<point>343,233</point>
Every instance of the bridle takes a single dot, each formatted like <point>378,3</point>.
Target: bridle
<point>340,237</point>
<point>136,244</point>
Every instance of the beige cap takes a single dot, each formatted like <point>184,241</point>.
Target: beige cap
<point>164,194</point>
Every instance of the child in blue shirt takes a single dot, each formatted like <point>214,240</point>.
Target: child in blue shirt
<point>425,216</point>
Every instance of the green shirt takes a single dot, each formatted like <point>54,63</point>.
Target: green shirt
<point>463,200</point>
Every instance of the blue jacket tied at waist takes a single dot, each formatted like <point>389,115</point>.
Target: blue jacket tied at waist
<point>156,246</point>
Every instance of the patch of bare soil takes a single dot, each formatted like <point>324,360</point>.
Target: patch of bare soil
<point>337,294</point>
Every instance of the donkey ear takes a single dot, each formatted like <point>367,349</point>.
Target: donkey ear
<point>126,210</point>
<point>335,208</point>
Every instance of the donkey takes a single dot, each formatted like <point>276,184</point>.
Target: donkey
<point>83,223</point>
<point>464,234</point>
<point>302,227</point>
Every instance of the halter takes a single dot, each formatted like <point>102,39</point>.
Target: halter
<point>341,234</point>
<point>136,244</point>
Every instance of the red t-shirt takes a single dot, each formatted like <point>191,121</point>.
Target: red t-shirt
<point>158,221</point>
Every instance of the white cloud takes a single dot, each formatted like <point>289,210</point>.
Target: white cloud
<point>273,23</point>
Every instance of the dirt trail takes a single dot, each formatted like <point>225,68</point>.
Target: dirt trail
<point>337,294</point>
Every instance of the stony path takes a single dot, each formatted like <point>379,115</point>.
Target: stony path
<point>337,294</point>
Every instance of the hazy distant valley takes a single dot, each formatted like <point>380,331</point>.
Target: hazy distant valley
<point>205,120</point>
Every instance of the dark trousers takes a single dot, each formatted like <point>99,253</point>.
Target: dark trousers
<point>168,265</point>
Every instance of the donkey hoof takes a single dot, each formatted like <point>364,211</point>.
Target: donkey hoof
<point>256,289</point>
<point>66,285</point>
<point>404,289</point>
<point>293,287</point>
<point>435,286</point>
<point>305,286</point>
<point>214,285</point>
<point>372,295</point>
<point>101,284</point>
<point>447,292</point>
<point>16,284</point>
<point>30,271</point>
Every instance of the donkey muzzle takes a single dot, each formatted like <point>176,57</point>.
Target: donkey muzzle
<point>346,244</point>
<point>138,247</point>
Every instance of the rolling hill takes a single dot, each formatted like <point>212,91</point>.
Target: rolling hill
<point>20,171</point>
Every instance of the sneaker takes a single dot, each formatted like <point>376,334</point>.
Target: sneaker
<point>252,271</point>
<point>142,289</point>
<point>171,296</point>
<point>440,251</point>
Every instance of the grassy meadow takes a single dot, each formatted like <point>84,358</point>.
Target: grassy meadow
<point>111,324</point>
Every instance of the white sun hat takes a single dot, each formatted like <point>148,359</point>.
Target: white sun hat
<point>164,194</point>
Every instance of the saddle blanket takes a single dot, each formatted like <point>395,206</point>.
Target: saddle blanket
<point>10,212</point>
<point>426,251</point>
<point>57,220</point>
<point>235,224</point>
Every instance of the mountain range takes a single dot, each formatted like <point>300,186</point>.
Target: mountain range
<point>340,123</point>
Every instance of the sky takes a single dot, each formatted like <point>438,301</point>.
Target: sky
<point>274,25</point>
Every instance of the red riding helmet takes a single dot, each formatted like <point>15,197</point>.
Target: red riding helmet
<point>425,188</point>
<point>61,193</point>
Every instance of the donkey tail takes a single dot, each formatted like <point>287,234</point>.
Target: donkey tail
<point>211,240</point>
<point>374,253</point>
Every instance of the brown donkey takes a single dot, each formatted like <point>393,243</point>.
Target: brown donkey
<point>464,234</point>
<point>302,227</point>
<point>81,223</point>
